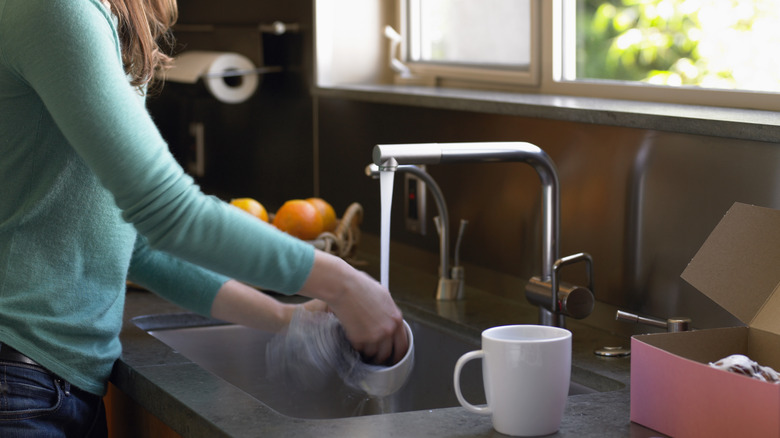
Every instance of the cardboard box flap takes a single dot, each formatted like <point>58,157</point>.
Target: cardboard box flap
<point>738,266</point>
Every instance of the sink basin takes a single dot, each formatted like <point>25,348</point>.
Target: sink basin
<point>237,355</point>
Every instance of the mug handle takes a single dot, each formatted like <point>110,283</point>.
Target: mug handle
<point>478,354</point>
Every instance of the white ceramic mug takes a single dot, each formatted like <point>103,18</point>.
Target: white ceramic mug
<point>526,371</point>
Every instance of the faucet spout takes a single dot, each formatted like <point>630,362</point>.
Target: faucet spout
<point>388,165</point>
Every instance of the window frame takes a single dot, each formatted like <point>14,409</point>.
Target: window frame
<point>436,73</point>
<point>545,74</point>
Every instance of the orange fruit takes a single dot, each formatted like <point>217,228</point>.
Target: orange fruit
<point>326,211</point>
<point>299,218</point>
<point>252,207</point>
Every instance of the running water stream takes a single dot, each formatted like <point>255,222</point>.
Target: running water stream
<point>386,179</point>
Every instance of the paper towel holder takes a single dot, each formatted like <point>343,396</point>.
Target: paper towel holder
<point>275,28</point>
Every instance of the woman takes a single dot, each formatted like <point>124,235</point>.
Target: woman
<point>91,196</point>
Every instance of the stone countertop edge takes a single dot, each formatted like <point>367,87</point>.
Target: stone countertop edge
<point>745,124</point>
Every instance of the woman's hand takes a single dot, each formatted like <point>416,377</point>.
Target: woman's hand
<point>371,320</point>
<point>315,306</point>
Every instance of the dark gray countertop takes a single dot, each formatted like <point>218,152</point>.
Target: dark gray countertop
<point>196,403</point>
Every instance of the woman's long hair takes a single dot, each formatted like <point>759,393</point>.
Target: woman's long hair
<point>144,27</point>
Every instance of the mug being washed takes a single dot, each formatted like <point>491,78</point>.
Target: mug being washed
<point>526,371</point>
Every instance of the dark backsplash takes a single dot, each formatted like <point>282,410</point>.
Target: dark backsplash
<point>641,202</point>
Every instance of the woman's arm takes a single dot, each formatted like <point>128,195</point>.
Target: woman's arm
<point>371,320</point>
<point>366,310</point>
<point>209,293</point>
<point>241,304</point>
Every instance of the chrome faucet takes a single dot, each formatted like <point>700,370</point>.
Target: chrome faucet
<point>450,285</point>
<point>554,298</point>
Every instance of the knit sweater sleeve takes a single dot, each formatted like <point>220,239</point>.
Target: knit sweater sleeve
<point>68,52</point>
<point>181,282</point>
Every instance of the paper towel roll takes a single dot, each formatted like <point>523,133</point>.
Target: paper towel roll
<point>188,67</point>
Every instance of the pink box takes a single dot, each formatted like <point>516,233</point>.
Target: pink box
<point>673,389</point>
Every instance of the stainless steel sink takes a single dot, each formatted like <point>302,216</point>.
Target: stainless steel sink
<point>237,355</point>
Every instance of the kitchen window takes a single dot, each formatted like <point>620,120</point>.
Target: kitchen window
<point>711,52</point>
<point>493,40</point>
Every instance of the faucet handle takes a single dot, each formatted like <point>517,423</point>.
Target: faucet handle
<point>573,301</point>
<point>562,298</point>
<point>676,324</point>
<point>570,260</point>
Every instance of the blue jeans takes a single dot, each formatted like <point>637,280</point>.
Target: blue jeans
<point>36,403</point>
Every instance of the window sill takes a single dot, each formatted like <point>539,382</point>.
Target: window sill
<point>735,123</point>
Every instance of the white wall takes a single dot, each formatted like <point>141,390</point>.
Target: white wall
<point>350,47</point>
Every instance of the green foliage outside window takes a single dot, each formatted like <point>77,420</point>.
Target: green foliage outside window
<point>730,44</point>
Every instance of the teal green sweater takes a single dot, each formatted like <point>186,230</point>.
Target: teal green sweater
<point>90,196</point>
